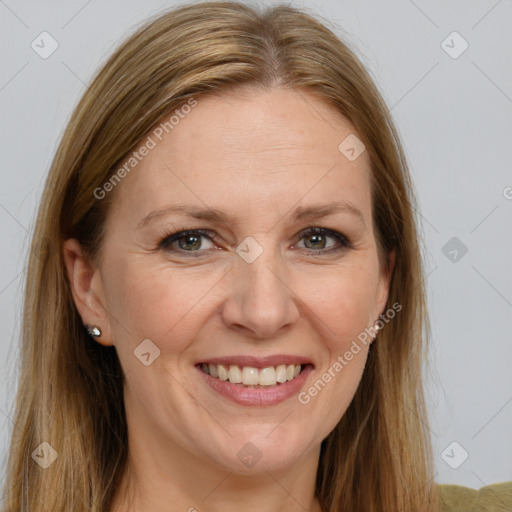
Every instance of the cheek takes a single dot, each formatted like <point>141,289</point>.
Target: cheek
<point>345,309</point>
<point>159,304</point>
<point>345,300</point>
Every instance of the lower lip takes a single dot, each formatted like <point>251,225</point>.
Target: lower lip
<point>244,395</point>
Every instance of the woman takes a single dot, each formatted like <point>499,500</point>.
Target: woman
<point>225,308</point>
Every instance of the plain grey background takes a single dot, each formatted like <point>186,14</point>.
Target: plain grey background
<point>452,106</point>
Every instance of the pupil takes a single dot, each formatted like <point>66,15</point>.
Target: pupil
<point>318,239</point>
<point>190,245</point>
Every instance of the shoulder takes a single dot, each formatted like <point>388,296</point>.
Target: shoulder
<point>491,498</point>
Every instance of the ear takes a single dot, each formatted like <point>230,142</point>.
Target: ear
<point>384,284</point>
<point>86,289</point>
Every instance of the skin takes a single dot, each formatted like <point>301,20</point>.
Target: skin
<point>256,155</point>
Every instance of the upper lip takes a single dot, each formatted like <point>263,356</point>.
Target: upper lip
<point>257,362</point>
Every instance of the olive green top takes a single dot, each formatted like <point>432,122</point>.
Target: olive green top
<point>492,498</point>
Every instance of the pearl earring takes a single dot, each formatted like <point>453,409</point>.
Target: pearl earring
<point>93,331</point>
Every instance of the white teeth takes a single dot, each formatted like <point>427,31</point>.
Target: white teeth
<point>223,373</point>
<point>267,377</point>
<point>281,373</point>
<point>213,370</point>
<point>250,376</point>
<point>235,375</point>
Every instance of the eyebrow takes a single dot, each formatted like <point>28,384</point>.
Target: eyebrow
<point>220,217</point>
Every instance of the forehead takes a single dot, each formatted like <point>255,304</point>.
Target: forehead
<point>260,149</point>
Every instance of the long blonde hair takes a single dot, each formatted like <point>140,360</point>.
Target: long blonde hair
<point>70,390</point>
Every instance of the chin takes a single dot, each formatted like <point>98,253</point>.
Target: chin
<point>264,449</point>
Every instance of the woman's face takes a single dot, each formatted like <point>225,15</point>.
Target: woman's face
<point>253,171</point>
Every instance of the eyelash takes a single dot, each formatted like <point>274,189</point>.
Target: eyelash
<point>344,242</point>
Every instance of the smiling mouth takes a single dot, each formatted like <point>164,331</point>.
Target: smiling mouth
<point>251,377</point>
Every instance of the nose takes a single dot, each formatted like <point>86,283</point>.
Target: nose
<point>260,302</point>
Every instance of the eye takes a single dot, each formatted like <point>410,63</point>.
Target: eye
<point>191,240</point>
<point>318,239</point>
<point>198,240</point>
